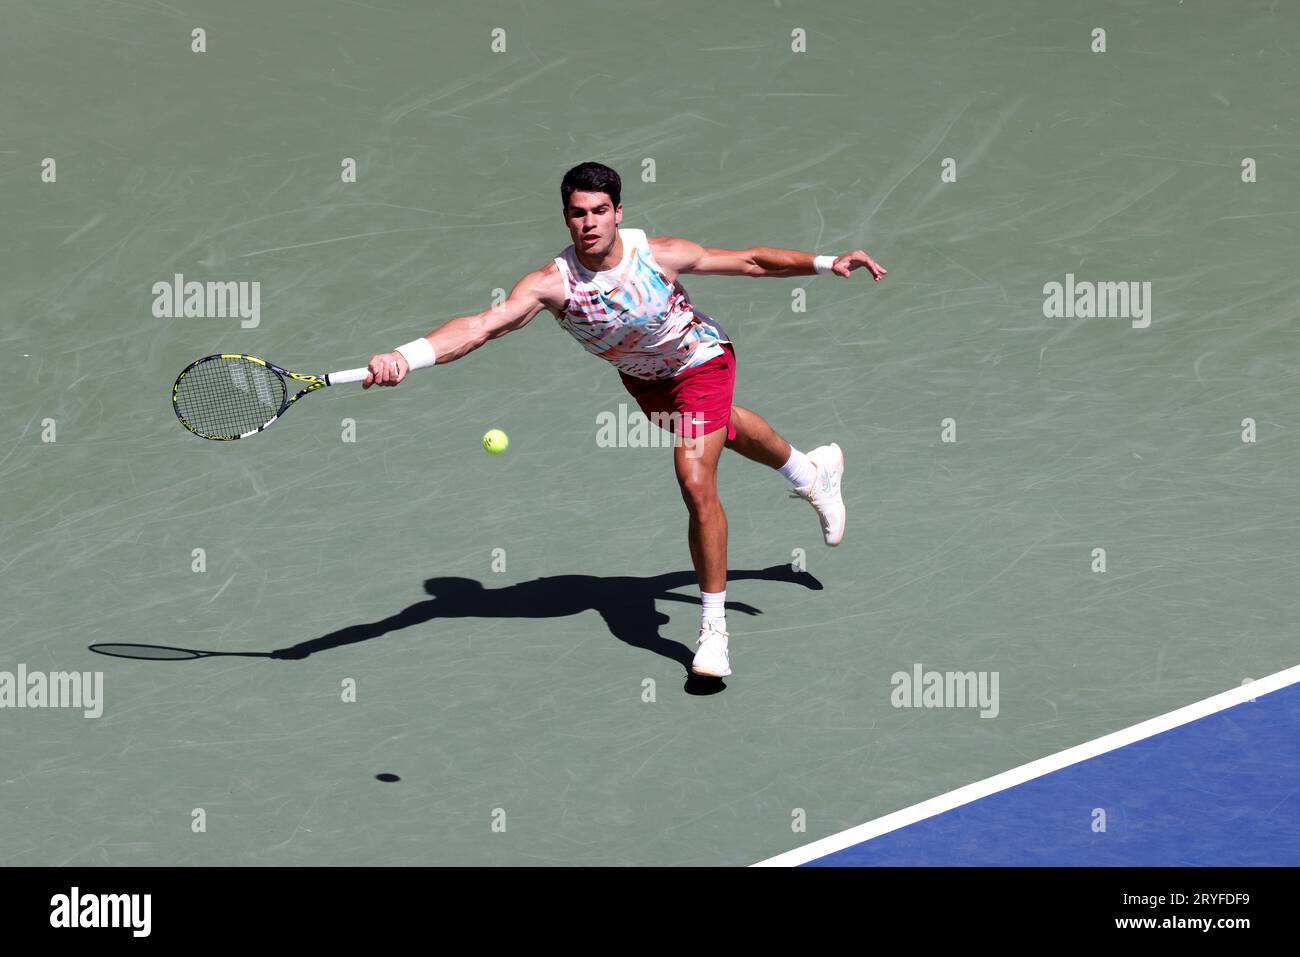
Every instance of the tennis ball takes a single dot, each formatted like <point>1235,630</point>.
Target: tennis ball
<point>495,441</point>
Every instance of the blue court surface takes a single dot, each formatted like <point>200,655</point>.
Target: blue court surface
<point>1222,789</point>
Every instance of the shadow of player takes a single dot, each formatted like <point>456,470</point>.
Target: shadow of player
<point>626,603</point>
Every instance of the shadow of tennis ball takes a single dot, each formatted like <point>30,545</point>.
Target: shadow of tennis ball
<point>387,777</point>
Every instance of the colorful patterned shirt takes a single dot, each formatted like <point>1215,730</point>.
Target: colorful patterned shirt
<point>633,317</point>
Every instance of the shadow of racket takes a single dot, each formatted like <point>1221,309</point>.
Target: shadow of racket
<point>168,653</point>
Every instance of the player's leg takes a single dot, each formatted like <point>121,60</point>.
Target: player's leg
<point>757,440</point>
<point>698,406</point>
<point>816,476</point>
<point>696,463</point>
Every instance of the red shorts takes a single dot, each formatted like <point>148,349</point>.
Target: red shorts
<point>696,402</point>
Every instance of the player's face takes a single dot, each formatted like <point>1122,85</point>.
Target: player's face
<point>593,221</point>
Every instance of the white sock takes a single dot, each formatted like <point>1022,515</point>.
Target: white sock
<point>799,469</point>
<point>713,605</point>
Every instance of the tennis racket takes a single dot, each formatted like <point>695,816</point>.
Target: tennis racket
<point>230,396</point>
<point>167,652</point>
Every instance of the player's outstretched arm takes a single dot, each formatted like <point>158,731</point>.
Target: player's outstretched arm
<point>684,256</point>
<point>460,336</point>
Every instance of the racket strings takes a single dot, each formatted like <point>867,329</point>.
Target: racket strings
<point>222,396</point>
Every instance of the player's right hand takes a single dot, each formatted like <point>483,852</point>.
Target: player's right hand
<point>389,368</point>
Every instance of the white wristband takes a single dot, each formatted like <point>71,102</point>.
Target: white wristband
<point>418,354</point>
<point>823,265</point>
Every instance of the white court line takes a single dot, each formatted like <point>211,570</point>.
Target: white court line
<point>1034,769</point>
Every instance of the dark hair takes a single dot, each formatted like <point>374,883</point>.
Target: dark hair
<point>591,178</point>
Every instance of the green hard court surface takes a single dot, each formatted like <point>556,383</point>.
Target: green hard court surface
<point>517,695</point>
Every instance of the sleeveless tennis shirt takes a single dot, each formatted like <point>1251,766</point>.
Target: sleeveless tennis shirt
<point>632,316</point>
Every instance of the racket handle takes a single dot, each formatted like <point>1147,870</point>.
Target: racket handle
<point>347,375</point>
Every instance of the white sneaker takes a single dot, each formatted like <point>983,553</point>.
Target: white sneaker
<point>824,492</point>
<point>711,658</point>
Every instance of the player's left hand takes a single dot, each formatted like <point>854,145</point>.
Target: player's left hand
<point>857,259</point>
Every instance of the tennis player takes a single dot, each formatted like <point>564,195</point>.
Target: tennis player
<point>617,292</point>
